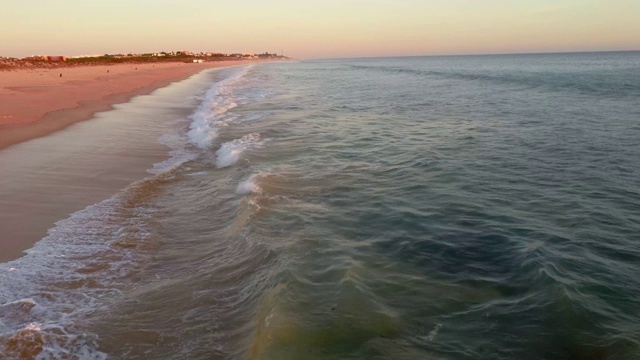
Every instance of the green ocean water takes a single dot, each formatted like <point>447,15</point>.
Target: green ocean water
<point>479,207</point>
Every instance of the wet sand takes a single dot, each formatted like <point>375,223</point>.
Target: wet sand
<point>47,179</point>
<point>37,102</point>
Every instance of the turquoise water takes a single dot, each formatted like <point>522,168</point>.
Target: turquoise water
<point>405,208</point>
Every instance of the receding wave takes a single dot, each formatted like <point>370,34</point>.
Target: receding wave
<point>51,292</point>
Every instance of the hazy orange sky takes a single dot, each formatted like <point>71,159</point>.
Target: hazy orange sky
<point>313,29</point>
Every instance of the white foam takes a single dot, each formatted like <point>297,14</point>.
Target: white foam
<point>213,112</point>
<point>178,157</point>
<point>57,284</point>
<point>230,152</point>
<point>64,277</point>
<point>201,133</point>
<point>434,332</point>
<point>248,186</point>
<point>179,153</point>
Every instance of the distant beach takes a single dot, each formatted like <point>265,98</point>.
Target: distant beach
<point>37,101</point>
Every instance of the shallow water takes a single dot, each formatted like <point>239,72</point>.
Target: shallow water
<point>412,208</point>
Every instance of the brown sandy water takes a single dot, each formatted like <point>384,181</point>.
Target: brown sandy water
<point>46,179</point>
<point>43,181</point>
<point>109,253</point>
<point>92,280</point>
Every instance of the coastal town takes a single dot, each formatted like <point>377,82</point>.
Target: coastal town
<point>52,61</point>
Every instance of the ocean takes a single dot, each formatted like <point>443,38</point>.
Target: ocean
<point>471,207</point>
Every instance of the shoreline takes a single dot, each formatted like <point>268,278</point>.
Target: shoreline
<point>50,179</point>
<point>37,102</point>
<point>66,171</point>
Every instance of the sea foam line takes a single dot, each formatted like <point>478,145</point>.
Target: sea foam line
<point>213,111</point>
<point>230,152</point>
<point>65,276</point>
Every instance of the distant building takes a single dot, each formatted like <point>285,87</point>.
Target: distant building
<point>84,56</point>
<point>36,58</point>
<point>46,58</point>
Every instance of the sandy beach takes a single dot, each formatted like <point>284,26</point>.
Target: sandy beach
<point>36,102</point>
<point>46,180</point>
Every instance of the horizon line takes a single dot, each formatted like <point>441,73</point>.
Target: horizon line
<point>473,54</point>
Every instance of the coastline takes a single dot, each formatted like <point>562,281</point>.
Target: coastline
<point>38,102</point>
<point>45,181</point>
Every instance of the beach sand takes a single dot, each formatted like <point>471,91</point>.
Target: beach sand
<point>45,180</point>
<point>36,102</point>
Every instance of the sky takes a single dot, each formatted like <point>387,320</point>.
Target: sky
<point>307,29</point>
